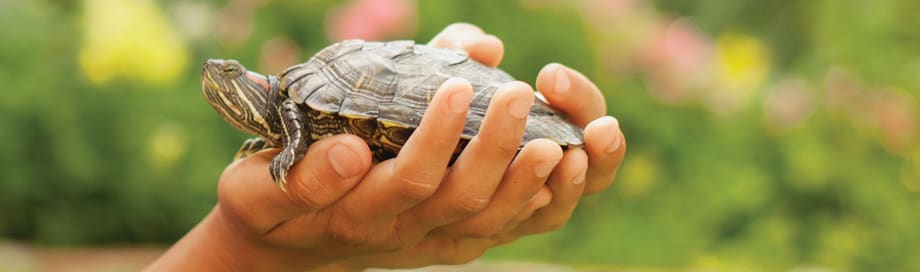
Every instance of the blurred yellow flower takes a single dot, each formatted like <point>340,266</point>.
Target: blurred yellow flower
<point>167,145</point>
<point>743,61</point>
<point>639,174</point>
<point>129,38</point>
<point>743,65</point>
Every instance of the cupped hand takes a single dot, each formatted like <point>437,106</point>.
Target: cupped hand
<point>335,207</point>
<point>520,206</point>
<point>566,90</point>
<point>413,210</point>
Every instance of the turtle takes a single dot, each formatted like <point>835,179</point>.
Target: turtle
<point>375,90</point>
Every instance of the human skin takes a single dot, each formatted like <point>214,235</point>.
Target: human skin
<point>341,213</point>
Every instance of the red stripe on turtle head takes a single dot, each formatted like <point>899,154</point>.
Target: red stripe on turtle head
<point>259,79</point>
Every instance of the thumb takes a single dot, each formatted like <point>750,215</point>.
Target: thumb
<point>330,169</point>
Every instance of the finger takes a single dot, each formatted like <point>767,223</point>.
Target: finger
<point>567,184</point>
<point>329,169</point>
<point>488,50</point>
<point>539,200</point>
<point>477,172</point>
<point>415,174</point>
<point>524,178</point>
<point>511,233</point>
<point>571,92</point>
<point>481,47</point>
<point>606,147</point>
<point>454,35</point>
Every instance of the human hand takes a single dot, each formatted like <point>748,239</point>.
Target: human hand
<point>336,208</point>
<point>552,205</point>
<point>566,90</point>
<point>406,212</point>
<point>399,201</point>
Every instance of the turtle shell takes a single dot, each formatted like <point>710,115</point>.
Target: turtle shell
<point>380,90</point>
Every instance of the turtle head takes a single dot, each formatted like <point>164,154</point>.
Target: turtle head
<point>243,98</point>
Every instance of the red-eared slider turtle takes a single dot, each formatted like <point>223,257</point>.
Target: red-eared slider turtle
<point>375,90</point>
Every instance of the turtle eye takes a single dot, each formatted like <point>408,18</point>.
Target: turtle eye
<point>230,70</point>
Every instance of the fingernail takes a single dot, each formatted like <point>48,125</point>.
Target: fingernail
<point>458,101</point>
<point>562,81</point>
<point>613,126</point>
<point>458,43</point>
<point>519,107</point>
<point>542,170</point>
<point>343,161</point>
<point>542,202</point>
<point>580,178</point>
<point>462,40</point>
<point>465,36</point>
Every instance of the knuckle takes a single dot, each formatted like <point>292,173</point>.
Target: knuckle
<point>309,189</point>
<point>415,188</point>
<point>470,205</point>
<point>448,252</point>
<point>501,143</point>
<point>394,241</point>
<point>345,232</point>
<point>508,149</point>
<point>485,231</point>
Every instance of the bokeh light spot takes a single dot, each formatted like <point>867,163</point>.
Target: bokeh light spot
<point>130,39</point>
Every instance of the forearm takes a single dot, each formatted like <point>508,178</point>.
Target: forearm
<point>214,245</point>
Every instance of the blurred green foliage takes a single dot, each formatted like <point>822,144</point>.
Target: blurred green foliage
<point>135,159</point>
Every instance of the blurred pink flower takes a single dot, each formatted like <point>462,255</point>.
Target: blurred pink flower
<point>896,114</point>
<point>277,54</point>
<point>235,21</point>
<point>846,95</point>
<point>611,8</point>
<point>789,103</point>
<point>841,90</point>
<point>372,20</point>
<point>678,59</point>
<point>620,30</point>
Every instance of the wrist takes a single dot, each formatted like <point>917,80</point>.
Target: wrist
<point>248,252</point>
<point>216,244</point>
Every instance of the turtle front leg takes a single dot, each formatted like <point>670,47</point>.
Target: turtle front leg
<point>251,146</point>
<point>294,139</point>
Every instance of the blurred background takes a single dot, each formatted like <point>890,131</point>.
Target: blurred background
<point>764,135</point>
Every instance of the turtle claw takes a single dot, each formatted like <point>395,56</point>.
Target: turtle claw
<point>251,146</point>
<point>279,168</point>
